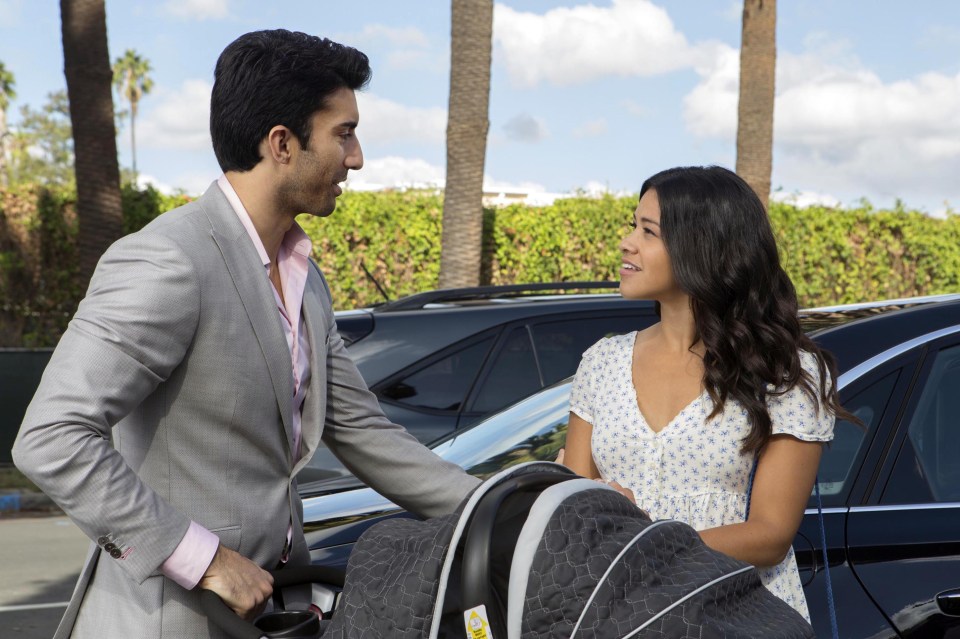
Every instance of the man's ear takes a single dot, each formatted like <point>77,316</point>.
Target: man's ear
<point>280,144</point>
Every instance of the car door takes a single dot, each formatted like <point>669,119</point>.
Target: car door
<point>904,546</point>
<point>428,397</point>
<point>874,395</point>
<point>533,355</point>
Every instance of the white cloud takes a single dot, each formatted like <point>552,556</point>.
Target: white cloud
<point>572,45</point>
<point>405,172</point>
<point>195,182</point>
<point>180,118</point>
<point>144,180</point>
<point>395,171</point>
<point>411,45</point>
<point>840,128</point>
<point>383,121</point>
<point>803,199</point>
<point>635,109</point>
<point>524,127</point>
<point>710,110</point>
<point>407,59</point>
<point>492,184</point>
<point>399,37</point>
<point>591,129</point>
<point>197,9</point>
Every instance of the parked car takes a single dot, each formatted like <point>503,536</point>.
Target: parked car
<point>441,361</point>
<point>890,488</point>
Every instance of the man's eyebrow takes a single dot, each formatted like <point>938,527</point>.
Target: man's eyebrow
<point>349,124</point>
<point>649,221</point>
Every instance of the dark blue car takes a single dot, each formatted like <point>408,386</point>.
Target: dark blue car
<point>890,488</point>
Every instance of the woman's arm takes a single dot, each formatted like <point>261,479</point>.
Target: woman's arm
<point>577,454</point>
<point>785,475</point>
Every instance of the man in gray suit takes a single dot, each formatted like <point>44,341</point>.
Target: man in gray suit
<point>204,366</point>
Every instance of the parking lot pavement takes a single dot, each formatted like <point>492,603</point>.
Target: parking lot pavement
<point>40,558</point>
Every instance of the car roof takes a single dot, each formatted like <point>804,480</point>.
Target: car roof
<point>404,335</point>
<point>533,292</point>
<point>879,326</point>
<point>452,315</point>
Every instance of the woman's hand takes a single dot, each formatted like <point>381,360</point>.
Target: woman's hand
<point>626,492</point>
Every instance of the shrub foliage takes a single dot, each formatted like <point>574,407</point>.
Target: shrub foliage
<point>391,241</point>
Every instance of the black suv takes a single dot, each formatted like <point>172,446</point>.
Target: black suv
<point>441,361</point>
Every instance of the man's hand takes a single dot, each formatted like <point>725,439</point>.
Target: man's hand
<point>243,585</point>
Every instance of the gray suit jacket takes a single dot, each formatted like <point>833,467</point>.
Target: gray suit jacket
<point>168,399</point>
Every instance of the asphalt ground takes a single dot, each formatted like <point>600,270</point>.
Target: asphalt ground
<point>41,557</point>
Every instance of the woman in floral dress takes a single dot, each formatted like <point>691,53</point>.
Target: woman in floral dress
<point>677,416</point>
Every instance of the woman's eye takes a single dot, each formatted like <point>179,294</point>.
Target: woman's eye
<point>632,224</point>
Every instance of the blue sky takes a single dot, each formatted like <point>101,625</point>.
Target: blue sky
<point>583,95</point>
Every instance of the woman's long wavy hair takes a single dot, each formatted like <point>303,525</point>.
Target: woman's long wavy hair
<point>724,255</point>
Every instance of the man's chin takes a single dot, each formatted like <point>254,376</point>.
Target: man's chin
<point>323,210</point>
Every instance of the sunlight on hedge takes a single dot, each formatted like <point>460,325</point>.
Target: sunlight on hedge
<point>834,256</point>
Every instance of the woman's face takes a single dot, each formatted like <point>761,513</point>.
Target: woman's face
<point>645,272</point>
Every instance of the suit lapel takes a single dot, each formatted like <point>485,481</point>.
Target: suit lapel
<point>314,400</point>
<point>246,270</point>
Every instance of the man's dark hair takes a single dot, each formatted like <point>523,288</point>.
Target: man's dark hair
<point>278,77</point>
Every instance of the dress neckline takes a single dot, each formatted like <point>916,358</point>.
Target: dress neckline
<point>636,403</point>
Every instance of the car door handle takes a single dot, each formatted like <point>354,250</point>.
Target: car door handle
<point>949,602</point>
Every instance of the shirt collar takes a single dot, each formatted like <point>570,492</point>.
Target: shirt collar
<point>241,212</point>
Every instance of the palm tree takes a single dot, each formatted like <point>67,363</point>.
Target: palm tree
<point>86,64</point>
<point>758,61</point>
<point>7,93</point>
<point>131,79</point>
<point>467,124</point>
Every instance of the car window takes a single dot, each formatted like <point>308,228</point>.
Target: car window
<point>442,385</point>
<point>838,463</point>
<point>512,376</point>
<point>533,429</point>
<point>560,344</point>
<point>928,465</point>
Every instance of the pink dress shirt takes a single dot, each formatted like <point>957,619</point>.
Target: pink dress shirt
<point>187,564</point>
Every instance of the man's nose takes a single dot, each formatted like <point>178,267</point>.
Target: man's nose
<point>354,159</point>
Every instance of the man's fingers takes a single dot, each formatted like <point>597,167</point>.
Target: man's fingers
<point>243,585</point>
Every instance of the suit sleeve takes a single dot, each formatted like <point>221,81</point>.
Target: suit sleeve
<point>380,453</point>
<point>132,329</point>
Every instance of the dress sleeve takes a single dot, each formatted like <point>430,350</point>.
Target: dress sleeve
<point>583,392</point>
<point>794,413</point>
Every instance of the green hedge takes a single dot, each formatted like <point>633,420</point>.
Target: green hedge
<point>833,256</point>
<point>841,256</point>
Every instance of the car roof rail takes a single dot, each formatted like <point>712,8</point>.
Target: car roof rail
<point>828,316</point>
<point>420,300</point>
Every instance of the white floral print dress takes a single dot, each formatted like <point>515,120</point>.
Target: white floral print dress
<point>692,470</point>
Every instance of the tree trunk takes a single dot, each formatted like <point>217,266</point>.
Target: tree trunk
<point>89,87</point>
<point>758,62</point>
<point>467,124</point>
<point>4,148</point>
<point>133,142</point>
